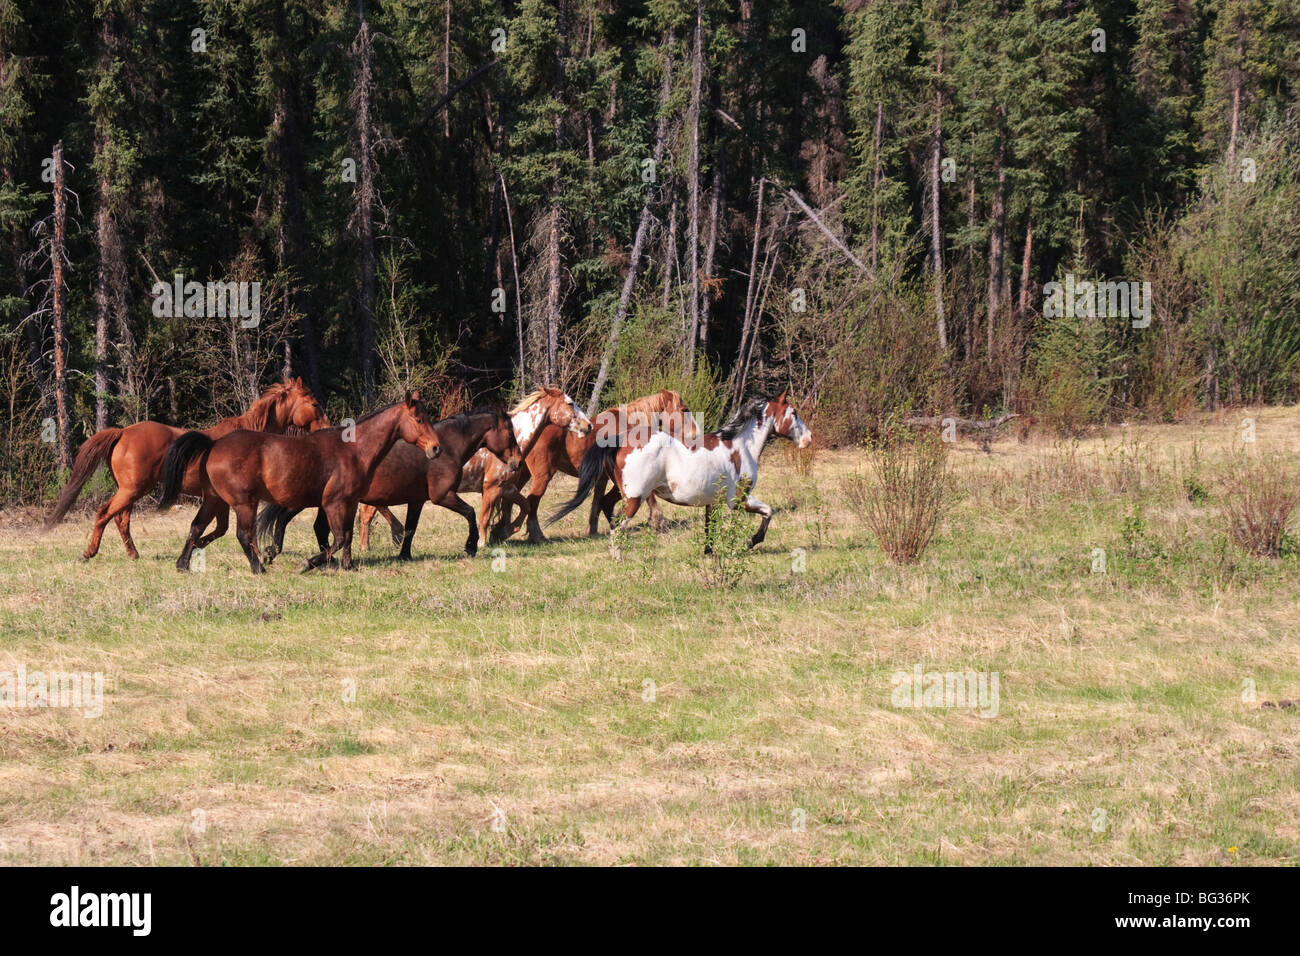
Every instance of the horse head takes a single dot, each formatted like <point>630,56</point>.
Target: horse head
<point>788,423</point>
<point>297,408</point>
<point>414,426</point>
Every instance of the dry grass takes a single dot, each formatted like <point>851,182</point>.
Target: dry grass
<point>1137,691</point>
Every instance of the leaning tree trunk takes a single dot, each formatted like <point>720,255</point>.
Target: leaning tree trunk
<point>996,239</point>
<point>638,243</point>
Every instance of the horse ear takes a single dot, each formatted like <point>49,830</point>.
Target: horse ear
<point>781,398</point>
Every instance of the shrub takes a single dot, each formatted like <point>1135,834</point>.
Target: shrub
<point>724,542</point>
<point>1257,505</point>
<point>903,495</point>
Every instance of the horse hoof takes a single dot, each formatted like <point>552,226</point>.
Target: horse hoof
<point>305,567</point>
<point>85,557</point>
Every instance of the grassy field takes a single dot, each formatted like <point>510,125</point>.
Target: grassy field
<point>556,705</point>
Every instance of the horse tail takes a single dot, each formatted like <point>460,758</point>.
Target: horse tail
<point>94,452</point>
<point>267,519</point>
<point>182,451</point>
<point>599,460</point>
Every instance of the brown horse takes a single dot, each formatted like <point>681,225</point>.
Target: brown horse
<point>406,477</point>
<point>135,456</point>
<point>560,451</point>
<point>545,410</point>
<point>327,469</point>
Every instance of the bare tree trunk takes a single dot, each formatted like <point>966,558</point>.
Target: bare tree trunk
<point>61,412</point>
<point>519,299</point>
<point>670,253</point>
<point>285,151</point>
<point>638,243</point>
<point>362,103</point>
<point>1234,122</point>
<point>1024,269</point>
<point>446,72</point>
<point>936,227</point>
<point>996,240</point>
<point>554,262</point>
<point>875,191</point>
<point>693,183</point>
<point>749,292</point>
<point>716,207</point>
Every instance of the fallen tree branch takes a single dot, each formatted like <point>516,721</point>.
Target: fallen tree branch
<point>970,424</point>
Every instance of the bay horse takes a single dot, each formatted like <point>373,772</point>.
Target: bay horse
<point>327,469</point>
<point>693,475</point>
<point>542,411</point>
<point>558,450</point>
<point>135,456</point>
<point>405,476</point>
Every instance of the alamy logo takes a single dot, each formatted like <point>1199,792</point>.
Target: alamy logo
<point>236,300</point>
<point>970,689</point>
<point>1088,300</point>
<point>134,910</point>
<point>25,689</point>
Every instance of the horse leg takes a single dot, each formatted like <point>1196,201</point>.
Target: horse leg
<point>207,511</point>
<point>222,514</point>
<point>408,532</point>
<point>245,518</point>
<point>322,528</point>
<point>122,500</point>
<point>343,536</point>
<point>597,506</point>
<point>123,520</point>
<point>535,492</point>
<point>454,502</point>
<point>365,515</point>
<point>754,506</point>
<point>491,495</point>
<point>657,520</point>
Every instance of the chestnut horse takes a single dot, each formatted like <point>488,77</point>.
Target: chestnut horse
<point>544,410</point>
<point>725,461</point>
<point>327,469</point>
<point>135,455</point>
<point>406,477</point>
<point>560,451</point>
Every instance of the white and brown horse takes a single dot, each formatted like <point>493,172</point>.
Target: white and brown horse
<point>695,473</point>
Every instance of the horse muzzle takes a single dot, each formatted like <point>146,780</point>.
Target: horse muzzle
<point>432,451</point>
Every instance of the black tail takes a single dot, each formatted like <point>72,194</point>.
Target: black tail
<point>95,452</point>
<point>267,520</point>
<point>598,460</point>
<point>182,451</point>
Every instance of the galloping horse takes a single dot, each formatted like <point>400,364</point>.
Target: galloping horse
<point>327,469</point>
<point>557,450</point>
<point>545,410</point>
<point>135,455</point>
<point>405,476</point>
<point>693,474</point>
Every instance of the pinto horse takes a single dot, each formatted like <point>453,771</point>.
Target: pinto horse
<point>135,456</point>
<point>327,469</point>
<point>544,410</point>
<point>693,475</point>
<point>405,476</point>
<point>558,450</point>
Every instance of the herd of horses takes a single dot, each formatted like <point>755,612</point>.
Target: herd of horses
<point>284,456</point>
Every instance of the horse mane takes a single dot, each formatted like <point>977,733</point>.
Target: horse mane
<point>259,413</point>
<point>535,395</point>
<point>653,403</point>
<point>747,413</point>
<point>461,419</point>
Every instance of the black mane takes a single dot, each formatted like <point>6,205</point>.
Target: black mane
<point>748,412</point>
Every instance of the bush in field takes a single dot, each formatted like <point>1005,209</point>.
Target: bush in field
<point>904,494</point>
<point>1257,504</point>
<point>724,543</point>
<point>1069,385</point>
<point>650,358</point>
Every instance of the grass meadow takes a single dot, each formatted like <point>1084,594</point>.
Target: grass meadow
<point>562,704</point>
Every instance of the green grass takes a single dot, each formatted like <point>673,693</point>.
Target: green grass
<point>522,691</point>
